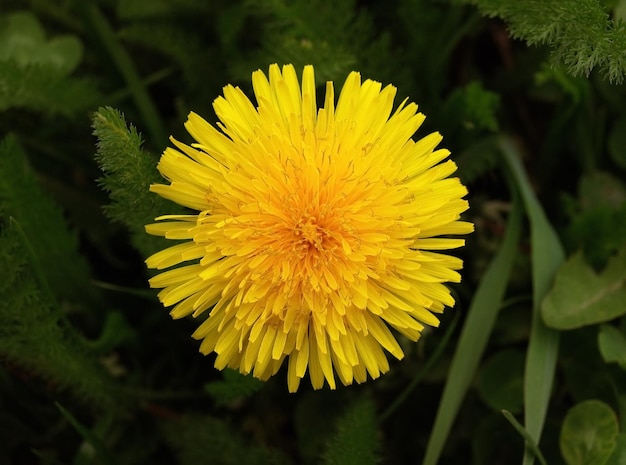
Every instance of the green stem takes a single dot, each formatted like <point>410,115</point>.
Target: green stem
<point>158,76</point>
<point>127,69</point>
<point>422,372</point>
<point>102,453</point>
<point>149,294</point>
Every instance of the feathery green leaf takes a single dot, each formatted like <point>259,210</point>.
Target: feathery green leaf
<point>33,332</point>
<point>580,33</point>
<point>128,173</point>
<point>55,247</point>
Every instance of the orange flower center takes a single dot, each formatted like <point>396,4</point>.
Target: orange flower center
<point>310,231</point>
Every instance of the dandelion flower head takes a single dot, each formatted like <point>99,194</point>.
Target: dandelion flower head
<point>313,232</point>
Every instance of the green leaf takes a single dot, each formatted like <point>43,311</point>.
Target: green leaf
<point>582,297</point>
<point>600,232</point>
<point>547,255</point>
<point>589,433</point>
<point>473,106</point>
<point>44,88</point>
<point>34,333</point>
<point>128,173</point>
<point>598,225</point>
<point>500,381</point>
<point>600,188</point>
<point>582,368</point>
<point>618,457</point>
<point>478,326</point>
<point>477,159</point>
<point>23,40</point>
<point>42,273</point>
<point>34,72</point>
<point>54,245</point>
<point>356,439</point>
<point>579,32</point>
<point>232,387</point>
<point>612,345</point>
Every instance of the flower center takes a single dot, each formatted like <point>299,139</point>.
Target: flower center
<point>310,232</point>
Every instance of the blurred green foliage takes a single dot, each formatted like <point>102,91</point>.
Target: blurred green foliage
<point>92,369</point>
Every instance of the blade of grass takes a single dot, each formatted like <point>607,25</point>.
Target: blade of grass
<point>423,371</point>
<point>142,293</point>
<point>124,63</point>
<point>480,320</point>
<point>523,433</point>
<point>547,256</point>
<point>102,453</point>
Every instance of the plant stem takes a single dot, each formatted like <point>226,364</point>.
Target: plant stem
<point>98,23</point>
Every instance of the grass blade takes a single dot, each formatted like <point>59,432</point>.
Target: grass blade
<point>547,256</point>
<point>434,358</point>
<point>480,320</point>
<point>101,451</point>
<point>125,65</point>
<point>523,433</point>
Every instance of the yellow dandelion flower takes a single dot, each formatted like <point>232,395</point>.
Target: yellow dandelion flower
<point>317,230</point>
